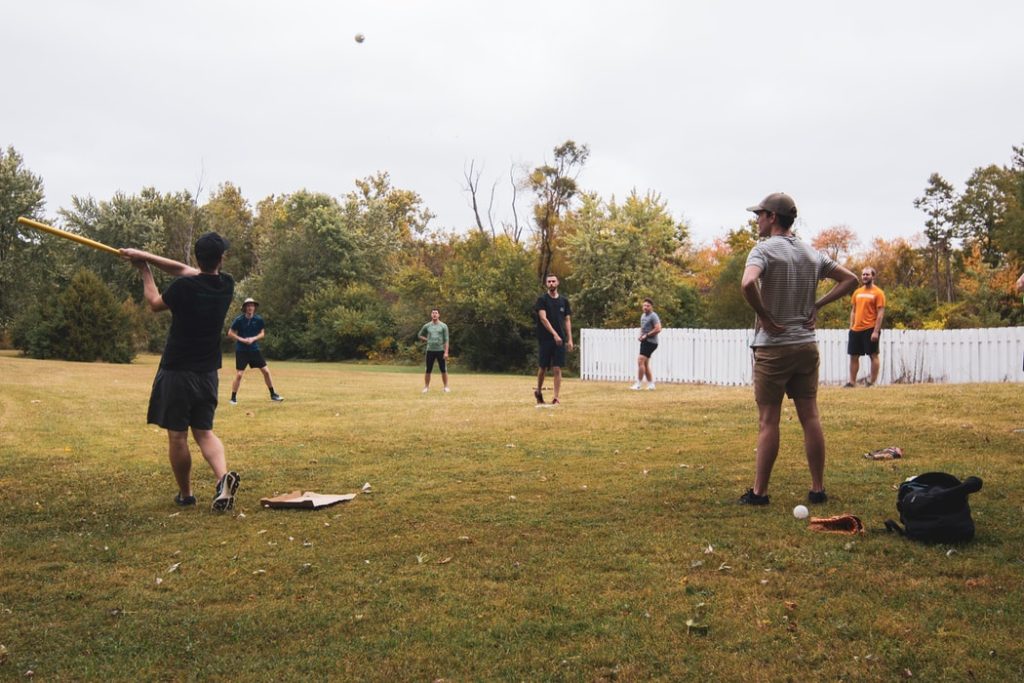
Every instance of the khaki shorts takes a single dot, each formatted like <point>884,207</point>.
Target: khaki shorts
<point>790,370</point>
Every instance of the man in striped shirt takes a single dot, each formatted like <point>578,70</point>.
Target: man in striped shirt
<point>780,283</point>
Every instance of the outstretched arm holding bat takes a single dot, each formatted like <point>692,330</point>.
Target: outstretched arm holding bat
<point>169,266</point>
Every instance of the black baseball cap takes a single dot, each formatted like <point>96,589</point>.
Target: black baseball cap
<point>779,203</point>
<point>210,246</point>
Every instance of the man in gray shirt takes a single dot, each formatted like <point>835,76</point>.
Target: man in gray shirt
<point>780,282</point>
<point>435,333</point>
<point>650,326</point>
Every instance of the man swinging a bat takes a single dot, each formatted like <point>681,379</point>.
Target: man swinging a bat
<point>184,393</point>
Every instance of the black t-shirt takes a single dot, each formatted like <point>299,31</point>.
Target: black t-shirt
<point>198,306</point>
<point>557,310</point>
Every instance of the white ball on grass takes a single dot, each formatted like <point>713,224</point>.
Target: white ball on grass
<point>800,512</point>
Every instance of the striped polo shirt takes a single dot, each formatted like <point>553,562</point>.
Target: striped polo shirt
<point>790,272</point>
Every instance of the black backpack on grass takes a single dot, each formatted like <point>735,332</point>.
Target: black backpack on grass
<point>933,508</point>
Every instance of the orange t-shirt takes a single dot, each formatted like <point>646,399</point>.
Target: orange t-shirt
<point>866,303</point>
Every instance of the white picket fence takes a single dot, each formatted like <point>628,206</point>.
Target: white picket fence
<point>724,356</point>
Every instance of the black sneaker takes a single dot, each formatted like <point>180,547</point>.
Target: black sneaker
<point>817,496</point>
<point>185,502</point>
<point>233,402</point>
<point>224,499</point>
<point>539,396</point>
<point>276,398</point>
<point>751,498</point>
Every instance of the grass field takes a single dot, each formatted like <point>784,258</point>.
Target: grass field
<point>500,541</point>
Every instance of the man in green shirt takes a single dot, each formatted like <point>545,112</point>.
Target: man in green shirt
<point>435,333</point>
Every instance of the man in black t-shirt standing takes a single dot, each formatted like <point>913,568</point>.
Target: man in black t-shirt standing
<point>554,334</point>
<point>184,391</point>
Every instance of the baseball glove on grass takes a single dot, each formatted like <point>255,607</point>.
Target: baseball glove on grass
<point>838,524</point>
<point>890,453</point>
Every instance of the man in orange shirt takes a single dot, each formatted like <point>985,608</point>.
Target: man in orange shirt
<point>866,314</point>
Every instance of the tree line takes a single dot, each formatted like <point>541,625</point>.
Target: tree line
<point>354,275</point>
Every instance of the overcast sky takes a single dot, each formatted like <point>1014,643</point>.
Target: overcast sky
<point>847,106</point>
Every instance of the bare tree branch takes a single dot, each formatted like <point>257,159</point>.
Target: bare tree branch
<point>194,223</point>
<point>490,208</point>
<point>472,184</point>
<point>516,231</point>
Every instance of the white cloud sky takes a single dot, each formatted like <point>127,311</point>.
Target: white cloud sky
<point>848,107</point>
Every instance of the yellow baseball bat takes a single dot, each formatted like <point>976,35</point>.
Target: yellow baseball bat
<point>67,235</point>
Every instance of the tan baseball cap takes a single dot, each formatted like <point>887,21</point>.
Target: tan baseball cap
<point>250,300</point>
<point>778,203</point>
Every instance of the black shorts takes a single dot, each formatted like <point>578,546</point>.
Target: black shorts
<point>550,354</point>
<point>181,399</point>
<point>249,357</point>
<point>436,356</point>
<point>860,343</point>
<point>647,348</point>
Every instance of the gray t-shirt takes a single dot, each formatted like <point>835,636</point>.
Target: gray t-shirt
<point>648,321</point>
<point>790,272</point>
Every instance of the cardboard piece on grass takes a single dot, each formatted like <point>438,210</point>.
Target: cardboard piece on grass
<point>305,500</point>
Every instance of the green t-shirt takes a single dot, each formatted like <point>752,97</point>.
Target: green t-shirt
<point>436,334</point>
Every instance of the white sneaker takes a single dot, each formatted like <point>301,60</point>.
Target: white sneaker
<point>636,386</point>
<point>650,387</point>
<point>224,497</point>
<point>447,390</point>
<point>425,390</point>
